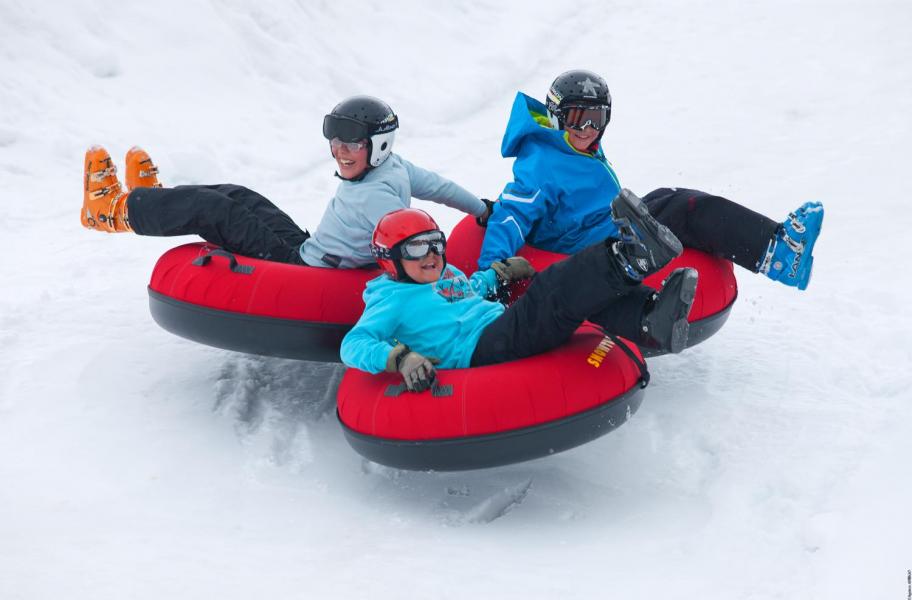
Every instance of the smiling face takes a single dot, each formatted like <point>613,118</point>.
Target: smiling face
<point>581,140</point>
<point>352,164</point>
<point>424,270</point>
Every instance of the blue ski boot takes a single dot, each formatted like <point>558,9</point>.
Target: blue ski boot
<point>639,228</point>
<point>789,258</point>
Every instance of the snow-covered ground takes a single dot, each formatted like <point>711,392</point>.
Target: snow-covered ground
<point>770,462</point>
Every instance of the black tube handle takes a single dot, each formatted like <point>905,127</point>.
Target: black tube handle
<point>202,261</point>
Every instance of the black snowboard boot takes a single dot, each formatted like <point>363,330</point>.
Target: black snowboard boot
<point>664,325</point>
<point>636,225</point>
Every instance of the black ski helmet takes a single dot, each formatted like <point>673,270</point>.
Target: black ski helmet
<point>577,88</point>
<point>364,117</point>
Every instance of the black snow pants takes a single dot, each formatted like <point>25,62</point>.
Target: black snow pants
<point>589,285</point>
<point>231,216</point>
<point>713,224</point>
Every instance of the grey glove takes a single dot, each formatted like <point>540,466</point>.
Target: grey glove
<point>512,269</point>
<point>417,371</point>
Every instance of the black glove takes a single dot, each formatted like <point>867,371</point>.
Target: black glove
<point>417,371</point>
<point>483,219</point>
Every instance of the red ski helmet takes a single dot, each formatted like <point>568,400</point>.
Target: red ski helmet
<point>394,228</point>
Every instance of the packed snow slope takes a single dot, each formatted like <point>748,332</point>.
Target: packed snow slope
<point>770,462</point>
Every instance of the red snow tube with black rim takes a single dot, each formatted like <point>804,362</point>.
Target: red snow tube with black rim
<point>207,295</point>
<point>717,288</point>
<point>499,414</point>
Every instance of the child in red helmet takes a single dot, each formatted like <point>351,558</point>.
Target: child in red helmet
<point>423,312</point>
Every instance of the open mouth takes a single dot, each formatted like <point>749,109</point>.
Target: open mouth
<point>430,265</point>
<point>346,163</point>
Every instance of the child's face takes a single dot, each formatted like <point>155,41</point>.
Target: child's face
<point>352,163</point>
<point>424,270</point>
<point>581,140</point>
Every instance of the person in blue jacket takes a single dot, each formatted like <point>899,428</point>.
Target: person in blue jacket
<point>421,307</point>
<point>375,181</point>
<point>563,186</point>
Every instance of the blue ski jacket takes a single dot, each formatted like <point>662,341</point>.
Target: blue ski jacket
<point>559,199</point>
<point>442,319</point>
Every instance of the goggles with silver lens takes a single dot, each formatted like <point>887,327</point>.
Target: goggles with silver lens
<point>580,117</point>
<point>419,246</point>
<point>352,147</point>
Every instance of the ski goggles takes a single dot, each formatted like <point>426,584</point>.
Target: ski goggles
<point>351,130</point>
<point>580,117</point>
<point>419,246</point>
<point>344,128</point>
<point>352,147</point>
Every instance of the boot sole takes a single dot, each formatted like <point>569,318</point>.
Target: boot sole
<point>681,327</point>
<point>630,208</point>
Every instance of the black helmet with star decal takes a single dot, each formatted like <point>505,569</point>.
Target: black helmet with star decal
<point>579,89</point>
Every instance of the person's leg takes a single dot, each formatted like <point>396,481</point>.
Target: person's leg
<point>211,214</point>
<point>270,214</point>
<point>714,224</point>
<point>624,316</point>
<point>559,299</point>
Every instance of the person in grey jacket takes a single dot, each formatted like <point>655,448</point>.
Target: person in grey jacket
<point>360,130</point>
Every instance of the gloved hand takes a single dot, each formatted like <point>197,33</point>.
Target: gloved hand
<point>512,269</point>
<point>417,371</point>
<point>483,219</point>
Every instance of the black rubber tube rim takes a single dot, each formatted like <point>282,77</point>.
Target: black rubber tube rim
<point>252,334</point>
<point>492,450</point>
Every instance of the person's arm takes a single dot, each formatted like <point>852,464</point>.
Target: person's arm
<point>367,346</point>
<point>519,208</point>
<point>493,283</point>
<point>428,185</point>
<point>484,283</point>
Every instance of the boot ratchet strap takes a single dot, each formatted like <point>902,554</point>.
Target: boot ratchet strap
<point>98,176</point>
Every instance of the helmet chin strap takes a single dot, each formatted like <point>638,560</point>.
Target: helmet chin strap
<point>401,275</point>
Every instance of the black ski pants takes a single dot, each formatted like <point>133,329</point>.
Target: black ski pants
<point>589,285</point>
<point>713,224</point>
<point>231,216</point>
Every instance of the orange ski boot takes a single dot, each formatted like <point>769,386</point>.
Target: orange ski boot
<point>141,171</point>
<point>104,204</point>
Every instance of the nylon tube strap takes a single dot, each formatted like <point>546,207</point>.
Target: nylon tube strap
<point>641,364</point>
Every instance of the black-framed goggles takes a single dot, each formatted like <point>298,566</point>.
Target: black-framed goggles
<point>344,128</point>
<point>348,129</point>
<point>418,246</point>
<point>579,117</point>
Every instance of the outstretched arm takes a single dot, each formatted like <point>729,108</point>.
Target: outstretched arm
<point>428,185</point>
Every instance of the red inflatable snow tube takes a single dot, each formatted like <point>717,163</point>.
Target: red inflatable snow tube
<point>717,289</point>
<point>205,294</point>
<point>499,414</point>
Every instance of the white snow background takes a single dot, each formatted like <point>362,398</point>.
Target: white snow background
<point>773,461</point>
